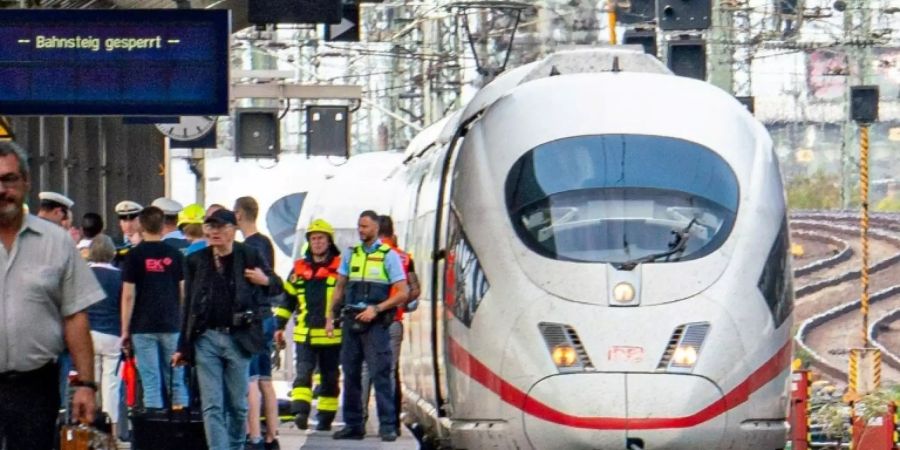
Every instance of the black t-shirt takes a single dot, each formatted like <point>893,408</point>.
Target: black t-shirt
<point>222,291</point>
<point>265,248</point>
<point>156,269</point>
<point>264,245</point>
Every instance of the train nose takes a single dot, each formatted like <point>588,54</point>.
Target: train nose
<point>604,410</point>
<point>675,412</point>
<point>577,411</point>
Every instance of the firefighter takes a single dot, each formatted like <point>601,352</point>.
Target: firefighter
<point>309,293</point>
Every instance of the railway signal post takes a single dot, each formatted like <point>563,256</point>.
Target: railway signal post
<point>865,362</point>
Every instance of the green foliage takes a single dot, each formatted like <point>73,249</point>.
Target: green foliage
<point>801,354</point>
<point>835,417</point>
<point>818,191</point>
<point>890,203</point>
<point>835,420</point>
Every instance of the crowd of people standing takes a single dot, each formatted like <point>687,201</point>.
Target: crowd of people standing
<point>177,290</point>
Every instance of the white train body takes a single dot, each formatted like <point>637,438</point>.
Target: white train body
<point>532,211</point>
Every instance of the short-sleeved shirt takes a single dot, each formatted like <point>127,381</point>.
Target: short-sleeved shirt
<point>156,269</point>
<point>44,281</point>
<point>264,245</point>
<point>106,315</point>
<point>265,248</point>
<point>392,263</point>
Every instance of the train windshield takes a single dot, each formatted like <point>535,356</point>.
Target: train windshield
<point>621,198</point>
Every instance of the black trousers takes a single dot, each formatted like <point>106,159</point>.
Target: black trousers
<point>327,358</point>
<point>29,406</point>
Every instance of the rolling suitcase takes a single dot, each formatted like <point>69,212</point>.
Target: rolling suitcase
<point>168,429</point>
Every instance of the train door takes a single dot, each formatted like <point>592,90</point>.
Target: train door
<point>442,265</point>
<point>416,342</point>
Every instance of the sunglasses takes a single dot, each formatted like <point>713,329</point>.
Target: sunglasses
<point>127,216</point>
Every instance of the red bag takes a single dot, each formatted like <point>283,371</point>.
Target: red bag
<point>129,377</point>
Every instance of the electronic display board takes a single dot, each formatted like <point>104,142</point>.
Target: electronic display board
<point>114,62</point>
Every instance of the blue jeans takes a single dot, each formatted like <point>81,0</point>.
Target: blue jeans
<point>222,371</point>
<point>373,346</point>
<point>153,352</point>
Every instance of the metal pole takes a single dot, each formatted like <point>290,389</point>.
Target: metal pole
<point>864,227</point>
<point>65,156</point>
<point>720,47</point>
<point>612,23</point>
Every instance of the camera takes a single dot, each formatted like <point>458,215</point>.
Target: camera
<point>350,312</point>
<point>242,319</point>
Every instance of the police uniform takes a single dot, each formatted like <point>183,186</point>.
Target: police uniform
<point>370,272</point>
<point>310,291</point>
<point>50,201</point>
<point>54,199</point>
<point>126,209</point>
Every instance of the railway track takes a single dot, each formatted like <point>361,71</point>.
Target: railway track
<point>827,335</point>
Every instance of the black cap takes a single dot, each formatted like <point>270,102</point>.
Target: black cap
<point>221,217</point>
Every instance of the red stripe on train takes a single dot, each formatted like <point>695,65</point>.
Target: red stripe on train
<point>471,366</point>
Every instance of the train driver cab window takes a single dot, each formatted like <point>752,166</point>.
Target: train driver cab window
<point>622,199</point>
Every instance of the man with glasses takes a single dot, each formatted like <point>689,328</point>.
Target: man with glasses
<point>43,309</point>
<point>54,207</point>
<point>227,286</point>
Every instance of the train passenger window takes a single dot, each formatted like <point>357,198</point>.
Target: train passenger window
<point>622,198</point>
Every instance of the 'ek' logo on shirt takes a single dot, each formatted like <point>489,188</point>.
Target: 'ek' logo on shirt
<point>157,265</point>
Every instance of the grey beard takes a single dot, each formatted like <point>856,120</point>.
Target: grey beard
<point>11,214</point>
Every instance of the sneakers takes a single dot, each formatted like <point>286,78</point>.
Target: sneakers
<point>302,421</point>
<point>274,445</point>
<point>350,433</point>
<point>388,436</point>
<point>255,445</point>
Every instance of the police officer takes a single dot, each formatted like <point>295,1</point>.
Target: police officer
<point>171,234</point>
<point>310,291</point>
<point>54,207</point>
<point>127,211</point>
<point>371,284</point>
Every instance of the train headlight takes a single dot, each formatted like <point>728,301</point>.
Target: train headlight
<point>684,348</point>
<point>564,355</point>
<point>565,348</point>
<point>685,356</point>
<point>623,293</point>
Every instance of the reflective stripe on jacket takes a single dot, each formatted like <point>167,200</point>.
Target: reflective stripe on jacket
<point>310,293</point>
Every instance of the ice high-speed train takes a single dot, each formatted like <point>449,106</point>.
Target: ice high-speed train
<point>603,250</point>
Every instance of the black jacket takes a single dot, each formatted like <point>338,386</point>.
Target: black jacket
<point>248,297</point>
